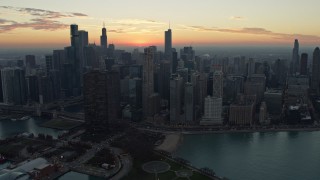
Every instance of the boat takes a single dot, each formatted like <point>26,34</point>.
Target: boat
<point>2,159</point>
<point>24,118</point>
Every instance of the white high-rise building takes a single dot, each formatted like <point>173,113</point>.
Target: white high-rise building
<point>212,111</point>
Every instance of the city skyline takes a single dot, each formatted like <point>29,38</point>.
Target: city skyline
<point>142,23</point>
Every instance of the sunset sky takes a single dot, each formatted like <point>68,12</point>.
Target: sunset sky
<point>40,23</point>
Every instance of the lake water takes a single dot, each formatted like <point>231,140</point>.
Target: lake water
<point>10,128</point>
<point>256,156</point>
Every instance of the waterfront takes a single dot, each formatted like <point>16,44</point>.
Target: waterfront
<point>260,155</point>
<point>4,165</point>
<point>10,128</point>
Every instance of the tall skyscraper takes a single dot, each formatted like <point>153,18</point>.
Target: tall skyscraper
<point>7,75</point>
<point>49,64</point>
<point>148,79</point>
<point>103,37</point>
<point>83,42</point>
<point>304,64</point>
<point>164,80</point>
<point>58,59</point>
<point>74,35</point>
<point>174,63</point>
<point>13,86</point>
<point>30,61</point>
<point>96,99</point>
<point>315,84</point>
<point>189,103</point>
<point>113,95</point>
<point>218,83</point>
<point>168,44</point>
<point>295,57</point>
<point>176,91</point>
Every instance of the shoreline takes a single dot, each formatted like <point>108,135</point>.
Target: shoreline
<point>197,132</point>
<point>250,131</point>
<point>171,142</point>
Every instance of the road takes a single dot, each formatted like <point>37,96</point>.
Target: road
<point>123,163</point>
<point>126,164</point>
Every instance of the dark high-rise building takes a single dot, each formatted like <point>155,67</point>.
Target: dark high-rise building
<point>83,42</point>
<point>304,64</point>
<point>49,64</point>
<point>168,44</point>
<point>66,80</point>
<point>33,88</point>
<point>315,84</point>
<point>74,33</point>
<point>7,75</point>
<point>58,59</point>
<point>189,103</point>
<point>187,53</point>
<point>148,79</point>
<point>113,95</point>
<point>174,62</point>
<point>72,55</point>
<point>295,57</point>
<point>126,58</point>
<point>30,61</point>
<point>19,87</point>
<point>103,37</point>
<point>20,63</point>
<point>46,90</point>
<point>96,99</point>
<point>101,97</point>
<point>1,93</point>
<point>176,91</point>
<point>164,80</point>
<point>91,54</point>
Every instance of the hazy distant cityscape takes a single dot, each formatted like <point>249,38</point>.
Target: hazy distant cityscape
<point>96,110</point>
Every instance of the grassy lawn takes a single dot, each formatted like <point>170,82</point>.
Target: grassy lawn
<point>61,124</point>
<point>138,174</point>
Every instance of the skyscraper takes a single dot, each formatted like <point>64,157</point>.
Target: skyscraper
<point>30,61</point>
<point>304,64</point>
<point>103,37</point>
<point>212,111</point>
<point>168,44</point>
<point>96,99</point>
<point>218,83</point>
<point>83,42</point>
<point>176,84</point>
<point>316,71</point>
<point>189,103</point>
<point>148,79</point>
<point>295,57</point>
<point>113,95</point>
<point>164,80</point>
<point>7,75</point>
<point>49,64</point>
<point>74,35</point>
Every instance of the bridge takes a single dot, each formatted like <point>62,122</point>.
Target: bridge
<point>38,111</point>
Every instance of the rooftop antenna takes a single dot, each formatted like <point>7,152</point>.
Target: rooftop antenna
<point>104,24</point>
<point>169,24</point>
